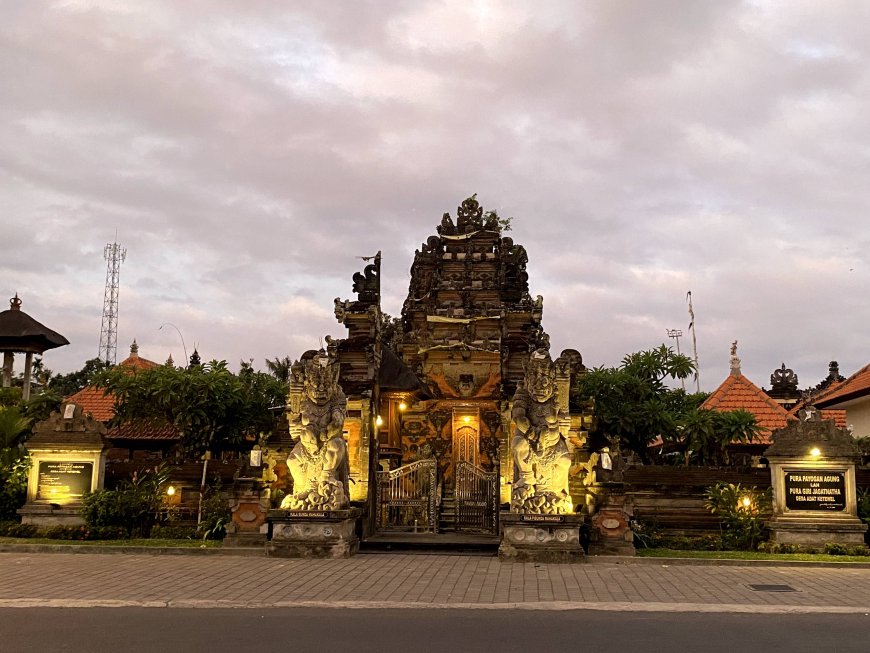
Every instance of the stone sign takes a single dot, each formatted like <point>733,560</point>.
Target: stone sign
<point>63,481</point>
<point>807,490</point>
<point>812,468</point>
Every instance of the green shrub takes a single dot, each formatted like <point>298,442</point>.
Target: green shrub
<point>133,506</point>
<point>173,532</point>
<point>83,533</point>
<point>741,511</point>
<point>14,468</point>
<point>778,547</point>
<point>215,515</point>
<point>14,529</point>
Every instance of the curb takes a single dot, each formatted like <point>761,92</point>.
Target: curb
<point>133,550</point>
<point>253,552</point>
<point>722,562</point>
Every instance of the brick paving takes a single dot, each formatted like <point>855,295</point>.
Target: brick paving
<point>399,580</point>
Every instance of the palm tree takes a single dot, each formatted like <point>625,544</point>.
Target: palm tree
<point>12,426</point>
<point>280,368</point>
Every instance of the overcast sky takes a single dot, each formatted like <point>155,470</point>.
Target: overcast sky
<point>246,153</point>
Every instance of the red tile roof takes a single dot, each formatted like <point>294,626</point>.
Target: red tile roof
<point>101,405</point>
<point>857,385</point>
<point>837,415</point>
<point>737,392</point>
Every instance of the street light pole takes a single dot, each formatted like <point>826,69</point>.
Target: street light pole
<point>676,334</point>
<point>179,335</point>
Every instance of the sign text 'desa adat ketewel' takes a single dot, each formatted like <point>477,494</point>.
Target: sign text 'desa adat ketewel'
<point>815,490</point>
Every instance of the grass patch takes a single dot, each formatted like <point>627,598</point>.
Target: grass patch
<point>748,555</point>
<point>210,544</point>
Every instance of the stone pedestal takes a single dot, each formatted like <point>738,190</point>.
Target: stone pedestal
<point>249,510</point>
<point>313,534</point>
<point>812,467</point>
<point>540,538</point>
<point>611,533</point>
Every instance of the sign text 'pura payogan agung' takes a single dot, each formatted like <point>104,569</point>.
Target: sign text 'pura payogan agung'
<point>815,490</point>
<point>318,462</point>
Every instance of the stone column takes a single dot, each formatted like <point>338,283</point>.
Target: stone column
<point>28,368</point>
<point>8,358</point>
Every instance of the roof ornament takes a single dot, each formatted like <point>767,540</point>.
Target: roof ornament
<point>735,361</point>
<point>134,348</point>
<point>15,303</point>
<point>195,358</point>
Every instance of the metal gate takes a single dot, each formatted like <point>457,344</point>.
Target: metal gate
<point>476,499</point>
<point>406,498</point>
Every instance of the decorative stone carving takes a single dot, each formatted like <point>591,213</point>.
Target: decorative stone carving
<point>367,284</point>
<point>540,452</point>
<point>318,463</point>
<point>783,383</point>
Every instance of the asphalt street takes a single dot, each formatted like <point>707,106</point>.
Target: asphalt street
<point>109,630</point>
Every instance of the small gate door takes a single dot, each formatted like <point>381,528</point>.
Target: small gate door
<point>476,499</point>
<point>465,445</point>
<point>406,498</point>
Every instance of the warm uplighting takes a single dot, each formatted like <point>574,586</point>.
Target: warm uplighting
<point>746,501</point>
<point>403,405</point>
<point>378,421</point>
<point>466,419</point>
<point>815,452</point>
<point>170,491</point>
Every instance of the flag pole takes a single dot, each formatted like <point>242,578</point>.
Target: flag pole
<point>694,342</point>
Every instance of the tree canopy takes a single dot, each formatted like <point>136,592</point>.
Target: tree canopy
<point>212,408</point>
<point>633,404</point>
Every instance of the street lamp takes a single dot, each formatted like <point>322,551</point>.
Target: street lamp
<point>676,334</point>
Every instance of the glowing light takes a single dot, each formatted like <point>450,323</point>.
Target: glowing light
<point>746,501</point>
<point>379,421</point>
<point>815,452</point>
<point>170,491</point>
<point>466,419</point>
<point>402,405</point>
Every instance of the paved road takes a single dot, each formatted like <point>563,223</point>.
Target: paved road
<point>103,630</point>
<point>420,581</point>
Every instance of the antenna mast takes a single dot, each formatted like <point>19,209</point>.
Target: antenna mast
<point>114,255</point>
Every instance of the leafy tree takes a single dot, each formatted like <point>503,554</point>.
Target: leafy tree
<point>14,461</point>
<point>212,408</point>
<point>632,402</point>
<point>66,384</point>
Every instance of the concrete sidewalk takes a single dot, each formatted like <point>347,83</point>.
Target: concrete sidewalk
<point>421,581</point>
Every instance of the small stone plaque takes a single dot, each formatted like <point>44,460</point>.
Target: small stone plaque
<point>543,518</point>
<point>815,490</point>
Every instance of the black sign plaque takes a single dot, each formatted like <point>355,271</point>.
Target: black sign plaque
<point>815,489</point>
<point>62,482</point>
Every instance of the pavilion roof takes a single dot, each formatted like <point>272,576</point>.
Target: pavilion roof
<point>21,333</point>
<point>855,387</point>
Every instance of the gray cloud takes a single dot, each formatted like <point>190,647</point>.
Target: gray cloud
<point>247,153</point>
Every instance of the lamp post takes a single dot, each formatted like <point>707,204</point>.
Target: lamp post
<point>676,334</point>
<point>177,330</point>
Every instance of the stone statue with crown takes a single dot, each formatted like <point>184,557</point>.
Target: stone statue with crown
<point>316,413</point>
<point>540,451</point>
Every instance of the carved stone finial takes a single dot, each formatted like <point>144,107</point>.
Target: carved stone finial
<point>134,348</point>
<point>367,284</point>
<point>194,358</point>
<point>15,303</point>
<point>170,362</point>
<point>735,361</point>
<point>783,382</point>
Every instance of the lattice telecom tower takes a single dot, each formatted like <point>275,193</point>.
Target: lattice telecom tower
<point>114,255</point>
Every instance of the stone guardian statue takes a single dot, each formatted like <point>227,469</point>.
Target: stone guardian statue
<point>540,451</point>
<point>318,463</point>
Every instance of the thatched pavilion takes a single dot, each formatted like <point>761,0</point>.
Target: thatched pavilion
<point>21,334</point>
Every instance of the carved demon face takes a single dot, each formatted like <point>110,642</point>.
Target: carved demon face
<point>541,377</point>
<point>321,379</point>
